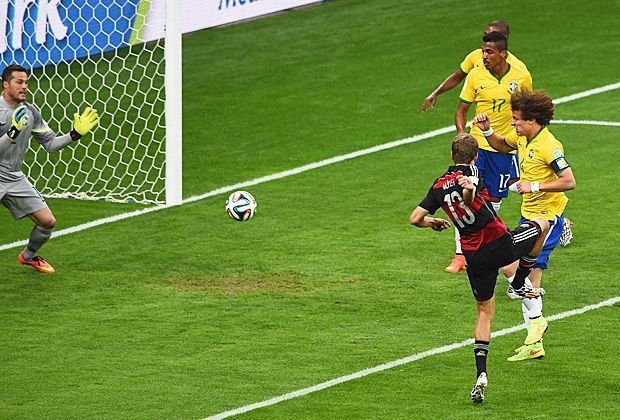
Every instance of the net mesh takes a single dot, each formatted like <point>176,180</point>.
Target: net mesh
<point>101,63</point>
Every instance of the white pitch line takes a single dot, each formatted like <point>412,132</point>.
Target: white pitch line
<point>298,170</point>
<point>587,122</point>
<point>399,362</point>
<point>234,187</point>
<point>586,93</point>
<point>88,225</point>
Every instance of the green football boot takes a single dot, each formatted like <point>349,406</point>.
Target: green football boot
<point>532,351</point>
<point>535,330</point>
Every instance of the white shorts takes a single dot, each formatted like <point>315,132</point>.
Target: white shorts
<point>21,198</point>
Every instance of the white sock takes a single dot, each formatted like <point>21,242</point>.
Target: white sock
<point>457,240</point>
<point>526,314</point>
<point>496,206</point>
<point>510,279</point>
<point>540,305</point>
<point>533,308</point>
<point>529,307</point>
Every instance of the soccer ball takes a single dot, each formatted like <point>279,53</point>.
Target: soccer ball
<point>241,206</point>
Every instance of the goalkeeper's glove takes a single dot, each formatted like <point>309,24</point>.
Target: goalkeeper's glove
<point>18,121</point>
<point>82,124</point>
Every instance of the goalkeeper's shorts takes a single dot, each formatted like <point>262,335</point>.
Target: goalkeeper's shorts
<point>21,198</point>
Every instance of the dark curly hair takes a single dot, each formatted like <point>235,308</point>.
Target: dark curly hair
<point>535,105</point>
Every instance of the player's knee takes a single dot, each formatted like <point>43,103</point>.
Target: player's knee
<point>486,309</point>
<point>509,270</point>
<point>48,223</point>
<point>485,316</point>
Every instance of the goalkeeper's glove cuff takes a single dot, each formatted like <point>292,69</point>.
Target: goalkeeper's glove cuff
<point>13,133</point>
<point>75,136</point>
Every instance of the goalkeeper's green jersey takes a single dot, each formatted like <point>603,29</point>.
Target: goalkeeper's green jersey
<point>12,153</point>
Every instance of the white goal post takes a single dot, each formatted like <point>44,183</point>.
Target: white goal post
<point>124,58</point>
<point>174,105</point>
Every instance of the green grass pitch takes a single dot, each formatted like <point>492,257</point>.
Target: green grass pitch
<point>184,313</point>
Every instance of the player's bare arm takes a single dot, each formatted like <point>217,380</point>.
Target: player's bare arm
<point>469,187</point>
<point>495,140</point>
<point>420,219</point>
<point>564,182</point>
<point>460,118</point>
<point>451,81</point>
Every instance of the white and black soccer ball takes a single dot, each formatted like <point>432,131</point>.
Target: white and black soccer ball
<point>241,206</point>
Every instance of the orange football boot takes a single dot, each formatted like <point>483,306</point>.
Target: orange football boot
<point>457,264</point>
<point>38,263</point>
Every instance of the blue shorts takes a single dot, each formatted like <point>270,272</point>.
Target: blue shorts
<point>551,241</point>
<point>496,169</point>
<point>514,169</point>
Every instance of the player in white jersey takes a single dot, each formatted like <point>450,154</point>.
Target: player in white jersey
<point>19,121</point>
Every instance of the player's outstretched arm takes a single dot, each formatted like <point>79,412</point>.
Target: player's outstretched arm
<point>495,140</point>
<point>82,124</point>
<point>420,219</point>
<point>451,81</point>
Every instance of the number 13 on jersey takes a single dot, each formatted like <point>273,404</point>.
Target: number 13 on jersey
<point>455,200</point>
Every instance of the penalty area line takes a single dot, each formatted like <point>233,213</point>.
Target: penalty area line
<point>399,362</point>
<point>304,168</point>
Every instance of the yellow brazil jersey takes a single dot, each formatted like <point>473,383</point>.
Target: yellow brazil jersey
<point>541,160</point>
<point>492,96</point>
<point>474,59</point>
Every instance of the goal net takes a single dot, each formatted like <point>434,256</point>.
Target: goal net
<point>91,53</point>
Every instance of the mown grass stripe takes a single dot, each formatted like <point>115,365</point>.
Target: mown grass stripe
<point>400,362</point>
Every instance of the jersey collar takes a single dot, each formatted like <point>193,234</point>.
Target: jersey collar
<point>544,127</point>
<point>499,79</point>
<point>456,168</point>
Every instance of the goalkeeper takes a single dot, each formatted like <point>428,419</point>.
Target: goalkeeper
<point>19,121</point>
